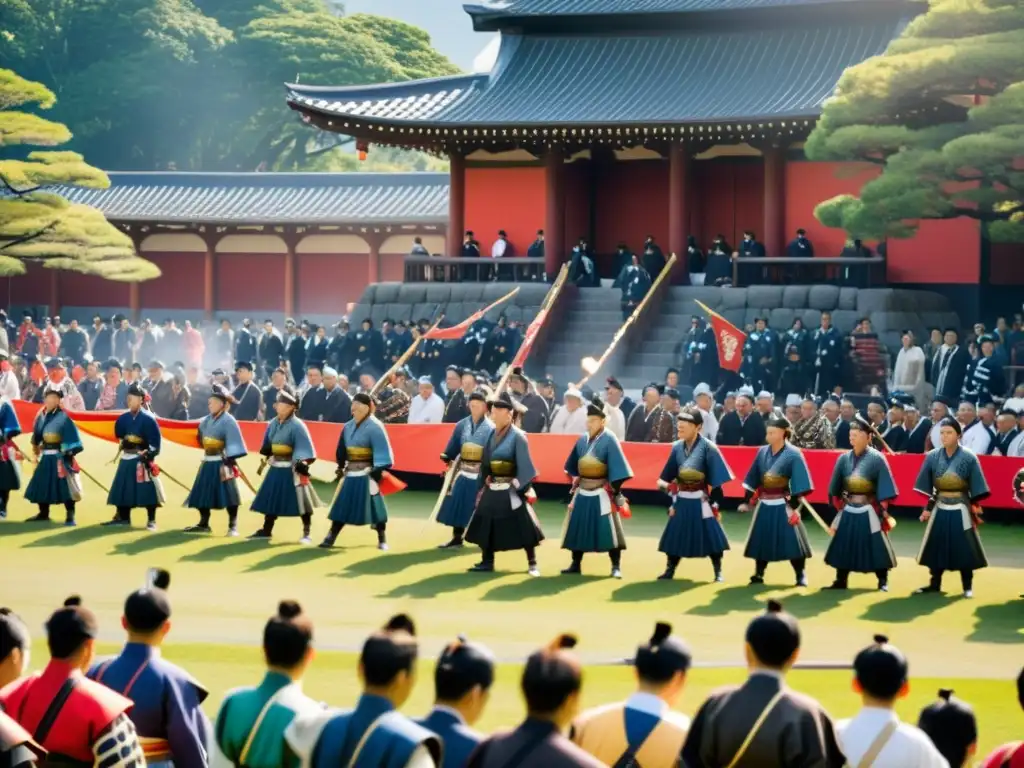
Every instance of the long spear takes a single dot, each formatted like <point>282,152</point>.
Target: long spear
<point>86,472</point>
<point>592,366</point>
<point>402,360</point>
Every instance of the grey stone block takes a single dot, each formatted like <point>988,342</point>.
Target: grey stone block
<point>419,311</point>
<point>795,296</point>
<point>736,317</point>
<point>764,296</point>
<point>823,297</point>
<point>414,293</point>
<point>847,299</point>
<point>731,298</point>
<point>845,320</point>
<point>369,293</point>
<point>872,300</point>
<point>387,292</point>
<point>781,319</point>
<point>377,314</point>
<point>439,293</point>
<point>811,318</point>
<point>359,311</point>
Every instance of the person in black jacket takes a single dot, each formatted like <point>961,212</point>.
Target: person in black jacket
<point>846,413</point>
<point>800,247</point>
<point>245,343</point>
<point>719,263</point>
<point>471,250</point>
<point>537,409</point>
<point>895,434</point>
<point>246,398</point>
<point>74,343</point>
<point>102,347</point>
<point>278,382</point>
<point>793,380</point>
<point>337,405</point>
<point>742,426</point>
<point>296,349</point>
<point>917,429</point>
<point>270,350</point>
<point>654,258</point>
<point>949,366</point>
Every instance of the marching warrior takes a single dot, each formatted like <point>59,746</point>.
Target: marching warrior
<point>216,485</point>
<point>364,456</point>
<point>952,479</point>
<point>56,442</point>
<point>862,487</point>
<point>285,491</point>
<point>504,519</point>
<point>598,468</point>
<point>693,476</point>
<point>10,470</point>
<point>136,483</point>
<point>777,480</point>
<point>466,445</point>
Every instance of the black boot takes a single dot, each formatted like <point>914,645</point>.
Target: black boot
<point>307,523</point>
<point>531,562</point>
<point>759,569</point>
<point>204,523</point>
<point>934,584</point>
<point>799,569</point>
<point>150,518</point>
<point>69,514</point>
<point>232,521</point>
<point>716,562</point>
<point>967,580</point>
<point>576,567</point>
<point>267,530</point>
<point>883,580</point>
<point>122,516</point>
<point>43,516</point>
<point>616,557</point>
<point>4,497</point>
<point>671,563</point>
<point>456,542</point>
<point>842,580</point>
<point>382,537</point>
<point>332,536</point>
<point>486,564</point>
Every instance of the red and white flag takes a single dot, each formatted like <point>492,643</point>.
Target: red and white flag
<point>729,338</point>
<point>458,331</point>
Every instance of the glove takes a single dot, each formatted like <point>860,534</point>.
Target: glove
<point>230,463</point>
<point>302,469</point>
<point>69,456</point>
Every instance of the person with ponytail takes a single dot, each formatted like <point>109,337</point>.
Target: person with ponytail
<point>551,683</point>
<point>168,715</point>
<point>250,726</point>
<point>645,729</point>
<point>374,734</point>
<point>952,727</point>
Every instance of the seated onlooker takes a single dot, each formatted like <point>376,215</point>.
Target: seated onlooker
<point>418,248</point>
<point>876,737</point>
<point>1009,755</point>
<point>570,418</point>
<point>951,726</point>
<point>91,386</point>
<point>427,407</point>
<point>696,263</point>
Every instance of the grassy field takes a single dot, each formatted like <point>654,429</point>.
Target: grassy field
<point>224,589</point>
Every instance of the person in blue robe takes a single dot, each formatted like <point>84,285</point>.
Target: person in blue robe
<point>288,451</point>
<point>778,478</point>
<point>952,479</point>
<point>862,487</point>
<point>363,456</point>
<point>693,477</point>
<point>373,734</point>
<point>56,443</point>
<point>504,519</point>
<point>136,482</point>
<point>466,446</point>
<point>167,710</point>
<point>10,470</point>
<point>463,678</point>
<point>216,484</point>
<point>598,468</point>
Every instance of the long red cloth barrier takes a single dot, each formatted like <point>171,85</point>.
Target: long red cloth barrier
<point>418,446</point>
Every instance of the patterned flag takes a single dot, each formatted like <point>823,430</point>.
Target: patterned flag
<point>531,336</point>
<point>101,424</point>
<point>730,340</point>
<point>458,331</point>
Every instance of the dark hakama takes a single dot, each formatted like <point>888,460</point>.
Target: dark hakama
<point>694,530</point>
<point>134,484</point>
<point>10,471</point>
<point>467,443</point>
<point>363,451</point>
<point>216,486</point>
<point>503,519</point>
<point>284,492</point>
<point>55,479</point>
<point>951,541</point>
<point>859,483</point>
<point>776,478</point>
<point>594,525</point>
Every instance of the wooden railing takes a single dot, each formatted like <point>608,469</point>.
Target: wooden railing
<point>860,272</point>
<point>456,269</point>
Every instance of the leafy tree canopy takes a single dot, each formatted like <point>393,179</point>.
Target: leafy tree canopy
<point>942,113</point>
<point>197,84</point>
<point>37,225</point>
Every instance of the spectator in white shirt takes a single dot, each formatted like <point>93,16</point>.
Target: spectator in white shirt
<point>427,407</point>
<point>940,410</point>
<point>500,247</point>
<point>9,386</point>
<point>976,435</point>
<point>571,417</point>
<point>876,737</point>
<point>706,405</point>
<point>908,375</point>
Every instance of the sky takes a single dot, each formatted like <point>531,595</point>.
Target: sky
<point>449,26</point>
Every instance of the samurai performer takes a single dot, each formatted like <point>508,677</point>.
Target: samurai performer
<point>598,469</point>
<point>951,478</point>
<point>17,747</point>
<point>55,442</point>
<point>10,470</point>
<point>693,476</point>
<point>363,456</point>
<point>288,450</point>
<point>167,701</point>
<point>861,489</point>
<point>136,482</point>
<point>504,519</point>
<point>216,484</point>
<point>466,446</point>
<point>777,479</point>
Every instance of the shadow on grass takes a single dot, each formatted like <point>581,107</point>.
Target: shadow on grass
<point>150,542</point>
<point>386,563</point>
<point>805,605</point>
<point>738,599</point>
<point>905,609</point>
<point>290,557</point>
<point>70,537</point>
<point>641,591</point>
<point>999,623</point>
<point>440,584</point>
<point>547,586</point>
<point>220,552</point>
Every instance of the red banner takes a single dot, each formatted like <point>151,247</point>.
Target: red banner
<point>729,338</point>
<point>458,331</point>
<point>417,447</point>
<point>531,336</point>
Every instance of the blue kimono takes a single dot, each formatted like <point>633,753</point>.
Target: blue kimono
<point>333,738</point>
<point>503,520</point>
<point>458,738</point>
<point>167,714</point>
<point>364,452</point>
<point>951,541</point>
<point>467,444</point>
<point>777,477</point>
<point>10,471</point>
<point>134,484</point>
<point>859,543</point>
<point>55,481</point>
<point>284,492</point>
<point>694,530</point>
<point>593,526</point>
<point>215,486</point>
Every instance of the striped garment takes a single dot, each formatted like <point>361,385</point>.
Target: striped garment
<point>118,746</point>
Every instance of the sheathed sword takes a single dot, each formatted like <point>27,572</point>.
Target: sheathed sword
<point>89,475</point>
<point>449,477</point>
<point>24,454</point>
<point>243,478</point>
<point>174,480</point>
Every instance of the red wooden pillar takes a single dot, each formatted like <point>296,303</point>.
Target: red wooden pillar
<point>456,203</point>
<point>54,292</point>
<point>373,274</point>
<point>208,279</point>
<point>678,203</point>
<point>134,302</point>
<point>774,237</point>
<point>554,215</point>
